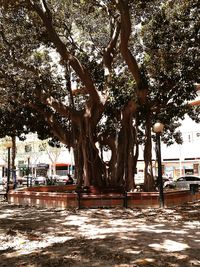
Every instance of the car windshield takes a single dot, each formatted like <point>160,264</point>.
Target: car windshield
<point>188,178</point>
<point>181,179</point>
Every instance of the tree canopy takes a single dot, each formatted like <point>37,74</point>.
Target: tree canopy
<point>96,75</point>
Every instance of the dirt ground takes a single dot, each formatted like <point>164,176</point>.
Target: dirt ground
<point>100,237</point>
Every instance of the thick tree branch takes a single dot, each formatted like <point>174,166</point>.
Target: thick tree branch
<point>130,60</point>
<point>125,35</point>
<point>58,106</point>
<point>80,70</point>
<point>62,134</point>
<point>110,49</point>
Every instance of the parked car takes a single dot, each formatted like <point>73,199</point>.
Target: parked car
<point>40,180</point>
<point>23,180</point>
<point>19,181</point>
<point>65,179</point>
<point>168,182</point>
<point>61,179</point>
<point>186,181</point>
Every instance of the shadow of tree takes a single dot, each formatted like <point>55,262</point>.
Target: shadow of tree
<point>113,237</point>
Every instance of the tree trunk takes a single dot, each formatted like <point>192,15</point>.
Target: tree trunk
<point>148,172</point>
<point>126,145</point>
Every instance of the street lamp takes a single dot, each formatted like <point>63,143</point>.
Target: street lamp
<point>8,145</point>
<point>158,129</point>
<point>29,178</point>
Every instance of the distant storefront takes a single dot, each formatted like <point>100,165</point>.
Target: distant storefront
<point>63,169</point>
<point>42,169</point>
<point>22,169</point>
<point>179,168</point>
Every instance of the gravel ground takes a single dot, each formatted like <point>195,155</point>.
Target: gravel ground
<point>32,236</point>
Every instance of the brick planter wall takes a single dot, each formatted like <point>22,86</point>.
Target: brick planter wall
<point>66,197</point>
<point>151,199</point>
<point>51,188</point>
<point>43,199</point>
<point>174,198</point>
<point>101,200</point>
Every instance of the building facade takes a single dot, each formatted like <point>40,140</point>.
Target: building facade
<point>184,159</point>
<point>178,160</point>
<point>36,158</point>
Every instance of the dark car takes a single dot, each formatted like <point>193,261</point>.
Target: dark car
<point>186,181</point>
<point>168,182</point>
<point>70,180</point>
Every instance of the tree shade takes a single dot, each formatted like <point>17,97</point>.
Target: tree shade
<point>96,75</point>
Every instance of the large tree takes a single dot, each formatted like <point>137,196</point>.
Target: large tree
<point>123,59</point>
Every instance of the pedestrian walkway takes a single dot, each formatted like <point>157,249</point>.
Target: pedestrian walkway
<point>102,237</point>
<point>2,192</point>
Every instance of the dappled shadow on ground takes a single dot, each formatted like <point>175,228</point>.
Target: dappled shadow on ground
<point>108,237</point>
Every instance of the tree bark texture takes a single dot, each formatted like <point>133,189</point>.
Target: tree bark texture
<point>90,168</point>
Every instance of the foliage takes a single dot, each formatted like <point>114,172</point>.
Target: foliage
<point>101,72</point>
<point>171,59</point>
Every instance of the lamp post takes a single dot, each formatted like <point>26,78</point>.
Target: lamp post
<point>158,129</point>
<point>8,145</point>
<point>27,172</point>
<point>29,178</point>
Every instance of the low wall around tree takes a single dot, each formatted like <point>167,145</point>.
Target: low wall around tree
<point>63,197</point>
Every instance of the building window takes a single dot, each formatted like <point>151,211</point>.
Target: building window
<point>28,148</point>
<point>42,147</point>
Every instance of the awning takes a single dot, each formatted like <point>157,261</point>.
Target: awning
<point>62,164</point>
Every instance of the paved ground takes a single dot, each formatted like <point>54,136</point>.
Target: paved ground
<point>93,238</point>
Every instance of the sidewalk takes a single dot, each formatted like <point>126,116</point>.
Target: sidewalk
<point>100,238</point>
<point>2,192</point>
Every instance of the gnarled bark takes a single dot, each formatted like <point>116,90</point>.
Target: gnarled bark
<point>126,148</point>
<point>149,184</point>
